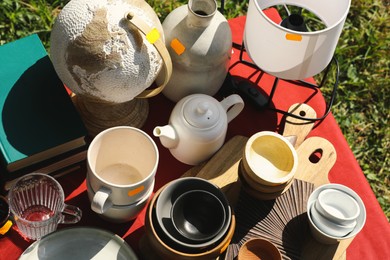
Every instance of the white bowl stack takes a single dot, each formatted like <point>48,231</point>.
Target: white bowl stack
<point>335,213</point>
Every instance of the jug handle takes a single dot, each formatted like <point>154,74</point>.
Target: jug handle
<point>157,42</point>
<point>233,106</point>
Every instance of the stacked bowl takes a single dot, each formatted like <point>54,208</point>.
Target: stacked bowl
<point>268,164</point>
<point>335,213</point>
<point>189,218</point>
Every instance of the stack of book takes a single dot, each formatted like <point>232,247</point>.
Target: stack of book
<point>40,129</point>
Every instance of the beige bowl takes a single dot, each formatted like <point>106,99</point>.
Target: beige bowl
<point>258,194</point>
<point>257,249</point>
<point>253,184</point>
<point>270,159</point>
<point>167,252</point>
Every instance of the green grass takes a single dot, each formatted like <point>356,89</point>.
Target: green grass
<point>362,103</point>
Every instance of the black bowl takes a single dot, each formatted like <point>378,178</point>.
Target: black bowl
<point>164,203</point>
<point>198,215</point>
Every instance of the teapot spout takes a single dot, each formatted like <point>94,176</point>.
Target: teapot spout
<point>167,135</point>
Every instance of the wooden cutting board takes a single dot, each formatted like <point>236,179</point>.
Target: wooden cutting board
<point>316,158</point>
<point>222,168</point>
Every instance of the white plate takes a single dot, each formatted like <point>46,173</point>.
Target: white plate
<point>80,243</point>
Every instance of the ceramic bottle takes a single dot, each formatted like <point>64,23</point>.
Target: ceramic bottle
<point>199,41</point>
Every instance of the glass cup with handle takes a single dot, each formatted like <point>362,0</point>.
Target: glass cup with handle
<point>37,203</point>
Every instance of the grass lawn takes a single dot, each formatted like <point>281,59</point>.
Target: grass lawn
<point>363,98</point>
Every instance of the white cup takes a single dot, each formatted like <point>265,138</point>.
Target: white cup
<point>122,163</point>
<point>121,214</point>
<point>337,206</point>
<point>329,227</point>
<point>333,233</point>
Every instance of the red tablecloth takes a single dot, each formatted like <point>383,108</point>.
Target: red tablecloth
<point>371,243</point>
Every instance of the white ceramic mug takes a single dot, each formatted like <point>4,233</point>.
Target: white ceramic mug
<point>121,214</point>
<point>122,163</point>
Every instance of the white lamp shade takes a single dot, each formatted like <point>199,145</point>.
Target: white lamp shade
<point>290,54</point>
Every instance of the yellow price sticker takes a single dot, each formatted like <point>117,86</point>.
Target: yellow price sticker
<point>177,46</point>
<point>153,36</point>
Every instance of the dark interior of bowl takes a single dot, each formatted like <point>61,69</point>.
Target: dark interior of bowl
<point>162,220</point>
<point>198,215</point>
<point>171,244</point>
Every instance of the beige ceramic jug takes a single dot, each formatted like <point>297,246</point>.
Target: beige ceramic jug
<point>199,41</point>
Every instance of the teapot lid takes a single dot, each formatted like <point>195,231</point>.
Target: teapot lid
<point>201,112</point>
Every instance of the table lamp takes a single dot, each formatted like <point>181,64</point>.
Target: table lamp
<point>291,50</point>
<point>109,53</point>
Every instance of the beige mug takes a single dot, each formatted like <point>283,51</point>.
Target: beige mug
<point>270,159</point>
<point>122,162</point>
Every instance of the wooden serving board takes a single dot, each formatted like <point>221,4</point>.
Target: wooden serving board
<point>222,170</point>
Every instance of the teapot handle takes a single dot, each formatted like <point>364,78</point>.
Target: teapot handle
<point>233,106</point>
<point>154,38</point>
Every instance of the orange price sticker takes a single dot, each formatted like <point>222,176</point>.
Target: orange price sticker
<point>4,229</point>
<point>293,37</point>
<point>135,191</point>
<point>177,46</point>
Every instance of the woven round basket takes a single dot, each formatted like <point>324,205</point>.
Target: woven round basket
<point>99,115</point>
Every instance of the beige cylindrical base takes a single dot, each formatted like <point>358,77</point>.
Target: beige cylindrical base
<point>99,115</point>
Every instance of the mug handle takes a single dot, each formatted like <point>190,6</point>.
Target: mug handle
<point>154,38</point>
<point>233,106</point>
<point>100,202</point>
<point>70,214</point>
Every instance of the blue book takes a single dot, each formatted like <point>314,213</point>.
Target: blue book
<point>38,120</point>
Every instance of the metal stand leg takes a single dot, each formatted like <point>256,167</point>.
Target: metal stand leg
<point>302,83</point>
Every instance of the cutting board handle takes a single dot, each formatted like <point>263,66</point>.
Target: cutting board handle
<point>316,157</point>
<point>297,127</point>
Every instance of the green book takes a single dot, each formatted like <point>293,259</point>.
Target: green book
<point>38,118</point>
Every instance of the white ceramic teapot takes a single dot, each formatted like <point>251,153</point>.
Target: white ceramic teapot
<point>197,126</point>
